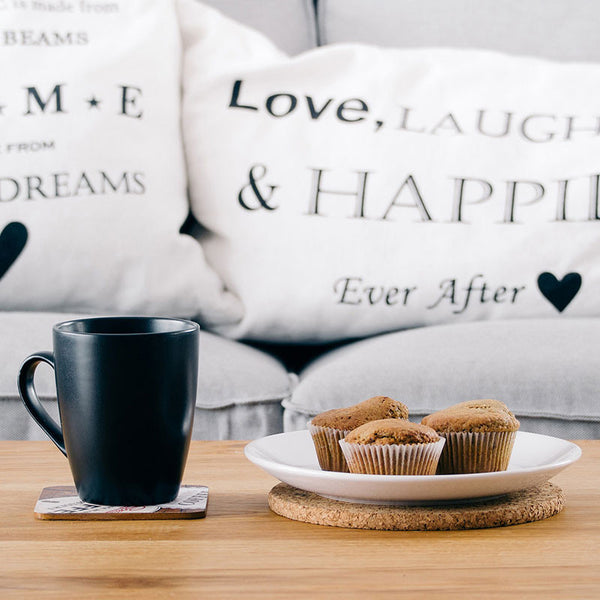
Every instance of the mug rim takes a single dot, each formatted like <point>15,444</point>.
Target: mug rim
<point>186,326</point>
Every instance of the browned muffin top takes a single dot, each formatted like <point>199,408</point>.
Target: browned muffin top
<point>378,407</point>
<point>392,431</point>
<point>477,416</point>
<point>481,404</point>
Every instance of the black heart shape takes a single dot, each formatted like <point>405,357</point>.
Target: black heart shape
<point>559,293</point>
<point>12,241</point>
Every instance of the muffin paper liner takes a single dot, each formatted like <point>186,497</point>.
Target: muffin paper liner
<point>329,453</point>
<point>393,459</point>
<point>467,452</point>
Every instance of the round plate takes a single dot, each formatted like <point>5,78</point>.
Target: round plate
<point>292,459</point>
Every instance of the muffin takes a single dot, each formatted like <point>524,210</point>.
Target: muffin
<point>480,435</point>
<point>329,427</point>
<point>494,404</point>
<point>392,447</point>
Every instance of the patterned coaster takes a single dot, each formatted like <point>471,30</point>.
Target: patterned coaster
<point>61,502</point>
<point>534,504</point>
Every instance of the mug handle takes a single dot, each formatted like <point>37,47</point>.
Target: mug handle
<point>31,400</point>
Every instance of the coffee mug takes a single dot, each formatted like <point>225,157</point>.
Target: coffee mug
<point>126,390</point>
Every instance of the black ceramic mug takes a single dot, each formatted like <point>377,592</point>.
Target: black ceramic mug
<point>126,396</point>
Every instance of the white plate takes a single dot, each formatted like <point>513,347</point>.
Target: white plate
<point>291,458</point>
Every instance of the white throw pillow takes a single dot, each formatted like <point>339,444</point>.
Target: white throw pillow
<point>92,176</point>
<point>353,190</point>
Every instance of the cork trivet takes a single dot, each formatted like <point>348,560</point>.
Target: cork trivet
<point>534,504</point>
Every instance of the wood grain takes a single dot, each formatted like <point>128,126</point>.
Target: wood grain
<point>243,549</point>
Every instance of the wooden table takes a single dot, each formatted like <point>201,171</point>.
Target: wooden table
<point>243,550</point>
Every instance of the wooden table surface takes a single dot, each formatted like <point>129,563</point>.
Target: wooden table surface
<point>243,550</point>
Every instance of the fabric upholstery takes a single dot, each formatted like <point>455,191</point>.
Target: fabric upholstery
<point>290,24</point>
<point>545,370</point>
<point>558,29</point>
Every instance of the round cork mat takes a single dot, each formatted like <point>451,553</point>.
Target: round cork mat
<point>525,506</point>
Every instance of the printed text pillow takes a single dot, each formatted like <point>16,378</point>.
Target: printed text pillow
<point>92,178</point>
<point>353,190</point>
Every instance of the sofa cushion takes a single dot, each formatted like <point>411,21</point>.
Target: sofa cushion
<point>546,371</point>
<point>240,389</point>
<point>92,179</point>
<point>372,189</point>
<point>559,29</point>
<point>289,24</point>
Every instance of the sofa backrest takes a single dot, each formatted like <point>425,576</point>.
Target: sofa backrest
<point>556,29</point>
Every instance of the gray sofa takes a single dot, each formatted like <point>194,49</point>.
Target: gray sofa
<point>546,370</point>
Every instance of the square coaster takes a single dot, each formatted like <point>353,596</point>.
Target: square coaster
<point>61,502</point>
